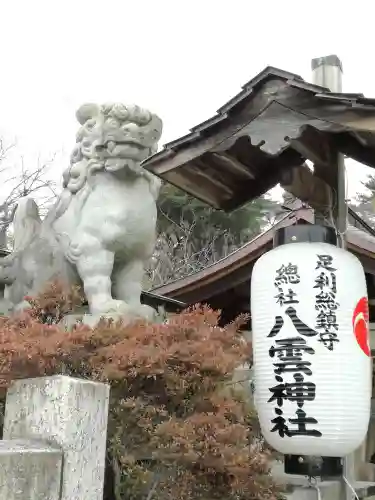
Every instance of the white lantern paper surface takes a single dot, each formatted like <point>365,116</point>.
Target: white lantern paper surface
<point>312,360</point>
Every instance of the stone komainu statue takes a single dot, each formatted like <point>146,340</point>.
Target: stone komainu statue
<point>101,230</point>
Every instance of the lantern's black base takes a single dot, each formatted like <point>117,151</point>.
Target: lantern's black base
<point>324,467</point>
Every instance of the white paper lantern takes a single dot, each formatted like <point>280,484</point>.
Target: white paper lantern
<point>312,360</point>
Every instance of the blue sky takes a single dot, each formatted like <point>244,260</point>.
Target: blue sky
<point>180,59</point>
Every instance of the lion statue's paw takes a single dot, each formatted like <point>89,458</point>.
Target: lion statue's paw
<point>110,306</point>
<point>146,312</point>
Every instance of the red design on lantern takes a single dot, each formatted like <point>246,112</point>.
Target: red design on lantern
<point>361,325</point>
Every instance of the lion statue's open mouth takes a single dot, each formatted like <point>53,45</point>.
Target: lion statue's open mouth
<point>116,130</point>
<point>113,137</point>
<point>124,149</point>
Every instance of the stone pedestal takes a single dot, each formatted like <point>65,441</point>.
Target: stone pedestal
<point>71,320</point>
<point>29,470</point>
<point>71,413</point>
<point>331,490</point>
<point>91,320</point>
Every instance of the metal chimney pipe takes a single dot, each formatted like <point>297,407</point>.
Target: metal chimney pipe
<point>327,72</point>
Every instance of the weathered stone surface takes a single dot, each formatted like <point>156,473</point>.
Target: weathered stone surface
<point>69,321</point>
<point>331,490</point>
<point>92,320</point>
<point>29,470</point>
<point>101,230</point>
<point>72,413</point>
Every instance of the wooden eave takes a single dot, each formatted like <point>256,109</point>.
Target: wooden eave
<point>274,124</point>
<point>169,304</point>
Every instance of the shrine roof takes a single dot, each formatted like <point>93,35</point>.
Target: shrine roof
<point>235,269</point>
<point>275,123</point>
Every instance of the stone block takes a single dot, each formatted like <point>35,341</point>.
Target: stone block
<point>331,490</point>
<point>69,321</point>
<point>30,470</point>
<point>72,413</point>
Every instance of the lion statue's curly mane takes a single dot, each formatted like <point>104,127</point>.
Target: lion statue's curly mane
<point>101,230</point>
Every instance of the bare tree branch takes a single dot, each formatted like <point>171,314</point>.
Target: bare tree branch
<point>177,254</point>
<point>23,182</point>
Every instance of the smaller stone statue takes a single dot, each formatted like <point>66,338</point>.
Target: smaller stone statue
<point>101,230</point>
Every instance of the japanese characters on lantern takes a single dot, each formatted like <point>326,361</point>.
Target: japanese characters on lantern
<point>325,301</point>
<point>293,357</point>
